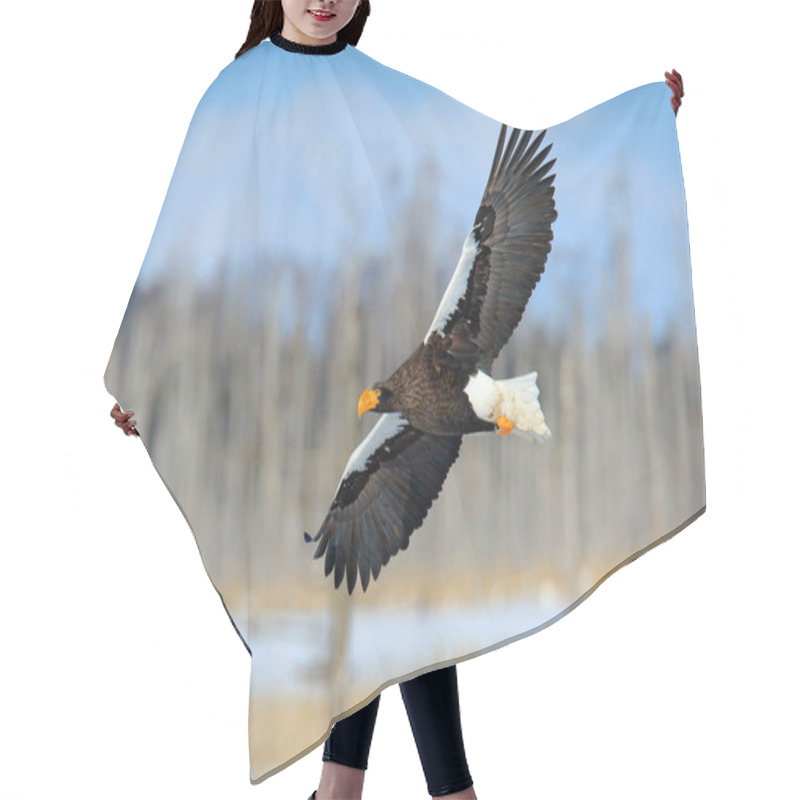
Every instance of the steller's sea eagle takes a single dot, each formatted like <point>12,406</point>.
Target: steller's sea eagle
<point>444,390</point>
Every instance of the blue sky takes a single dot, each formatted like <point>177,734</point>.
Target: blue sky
<point>316,159</point>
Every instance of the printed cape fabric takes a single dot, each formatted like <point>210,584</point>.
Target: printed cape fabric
<point>418,381</point>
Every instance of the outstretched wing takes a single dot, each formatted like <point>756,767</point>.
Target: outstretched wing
<point>388,486</point>
<point>504,254</point>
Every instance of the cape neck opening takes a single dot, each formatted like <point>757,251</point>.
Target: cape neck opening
<point>308,49</point>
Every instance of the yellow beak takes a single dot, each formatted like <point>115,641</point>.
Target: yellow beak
<point>368,400</point>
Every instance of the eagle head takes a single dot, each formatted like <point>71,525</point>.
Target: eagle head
<point>374,399</point>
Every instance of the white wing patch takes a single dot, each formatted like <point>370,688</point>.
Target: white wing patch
<point>387,426</point>
<point>457,287</point>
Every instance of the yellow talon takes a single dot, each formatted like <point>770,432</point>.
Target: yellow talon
<point>505,425</point>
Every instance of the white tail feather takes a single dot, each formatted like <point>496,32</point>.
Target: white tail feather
<point>519,401</point>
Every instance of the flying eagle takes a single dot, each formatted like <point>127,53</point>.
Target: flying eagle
<point>444,390</point>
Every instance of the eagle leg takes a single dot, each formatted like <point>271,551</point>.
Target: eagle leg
<point>504,425</point>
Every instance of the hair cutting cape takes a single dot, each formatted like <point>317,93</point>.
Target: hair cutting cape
<point>326,217</point>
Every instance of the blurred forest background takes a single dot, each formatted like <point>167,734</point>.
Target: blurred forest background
<point>250,384</point>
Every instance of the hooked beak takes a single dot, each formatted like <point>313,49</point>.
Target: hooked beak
<point>368,400</point>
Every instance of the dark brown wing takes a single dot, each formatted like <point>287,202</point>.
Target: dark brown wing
<point>388,486</point>
<point>504,254</point>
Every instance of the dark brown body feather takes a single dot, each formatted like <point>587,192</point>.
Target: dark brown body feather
<point>428,388</point>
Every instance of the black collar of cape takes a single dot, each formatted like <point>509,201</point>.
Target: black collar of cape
<point>309,49</point>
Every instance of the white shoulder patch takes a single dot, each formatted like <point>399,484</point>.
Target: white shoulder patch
<point>387,426</point>
<point>457,287</point>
